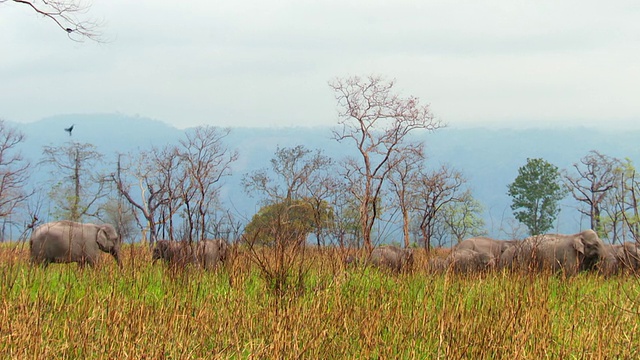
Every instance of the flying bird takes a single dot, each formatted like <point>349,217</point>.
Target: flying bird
<point>69,129</point>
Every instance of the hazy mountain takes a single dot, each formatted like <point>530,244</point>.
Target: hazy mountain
<point>489,158</point>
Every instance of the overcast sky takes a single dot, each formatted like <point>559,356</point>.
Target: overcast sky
<point>267,63</point>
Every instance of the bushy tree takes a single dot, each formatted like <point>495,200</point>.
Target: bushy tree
<point>536,192</point>
<point>294,218</point>
<point>462,218</point>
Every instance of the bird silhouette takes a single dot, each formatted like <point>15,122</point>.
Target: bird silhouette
<point>69,129</point>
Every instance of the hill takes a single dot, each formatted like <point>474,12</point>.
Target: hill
<point>489,158</point>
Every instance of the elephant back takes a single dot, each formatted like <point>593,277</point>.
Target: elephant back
<point>465,261</point>
<point>569,253</point>
<point>629,256</point>
<point>212,252</point>
<point>392,257</point>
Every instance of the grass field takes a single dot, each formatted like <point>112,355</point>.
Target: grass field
<point>147,311</point>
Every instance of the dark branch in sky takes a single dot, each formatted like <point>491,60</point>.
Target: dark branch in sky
<point>68,16</point>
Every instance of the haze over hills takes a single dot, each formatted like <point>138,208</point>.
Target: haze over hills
<point>488,158</point>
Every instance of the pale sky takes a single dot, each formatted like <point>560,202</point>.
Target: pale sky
<point>268,63</point>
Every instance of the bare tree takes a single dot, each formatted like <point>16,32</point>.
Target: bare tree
<point>620,206</point>
<point>433,192</point>
<point>378,122</point>
<point>345,226</point>
<point>83,184</point>
<point>629,203</point>
<point>206,160</point>
<point>402,177</point>
<point>596,176</point>
<point>159,199</point>
<point>68,15</point>
<point>319,189</point>
<point>293,168</point>
<point>14,171</point>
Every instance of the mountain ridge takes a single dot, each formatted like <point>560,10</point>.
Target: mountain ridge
<point>488,157</point>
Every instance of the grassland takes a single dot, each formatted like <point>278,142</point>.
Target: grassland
<point>147,311</point>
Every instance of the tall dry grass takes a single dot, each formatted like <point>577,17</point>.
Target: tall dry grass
<point>147,311</point>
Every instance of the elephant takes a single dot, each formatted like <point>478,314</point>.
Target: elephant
<point>205,253</point>
<point>620,257</point>
<point>508,256</point>
<point>485,245</point>
<point>392,257</point>
<point>437,264</point>
<point>628,255</point>
<point>467,261</point>
<point>211,252</point>
<point>68,241</point>
<point>173,252</point>
<point>557,252</point>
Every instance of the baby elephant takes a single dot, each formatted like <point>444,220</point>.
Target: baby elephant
<point>205,253</point>
<point>392,257</point>
<point>174,253</point>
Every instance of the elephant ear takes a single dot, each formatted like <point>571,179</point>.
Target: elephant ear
<point>102,240</point>
<point>105,237</point>
<point>578,245</point>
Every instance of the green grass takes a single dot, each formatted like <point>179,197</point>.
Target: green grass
<point>154,312</point>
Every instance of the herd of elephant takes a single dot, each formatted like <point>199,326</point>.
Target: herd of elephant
<point>67,241</point>
<point>568,254</point>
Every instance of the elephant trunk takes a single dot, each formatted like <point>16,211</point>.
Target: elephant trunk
<point>116,255</point>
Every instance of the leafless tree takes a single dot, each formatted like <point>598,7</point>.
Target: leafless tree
<point>596,176</point>
<point>319,188</point>
<point>402,177</point>
<point>82,184</point>
<point>178,180</point>
<point>345,228</point>
<point>622,220</point>
<point>154,172</point>
<point>14,171</point>
<point>68,15</point>
<point>292,167</point>
<point>377,121</point>
<point>206,160</point>
<point>434,191</point>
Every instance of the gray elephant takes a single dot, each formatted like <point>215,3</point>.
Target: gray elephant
<point>557,252</point>
<point>212,252</point>
<point>392,257</point>
<point>465,261</point>
<point>620,257</point>
<point>488,246</point>
<point>508,257</point>
<point>610,264</point>
<point>437,264</point>
<point>628,255</point>
<point>174,253</point>
<point>68,241</point>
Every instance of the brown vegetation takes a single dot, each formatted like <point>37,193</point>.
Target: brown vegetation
<point>154,312</point>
